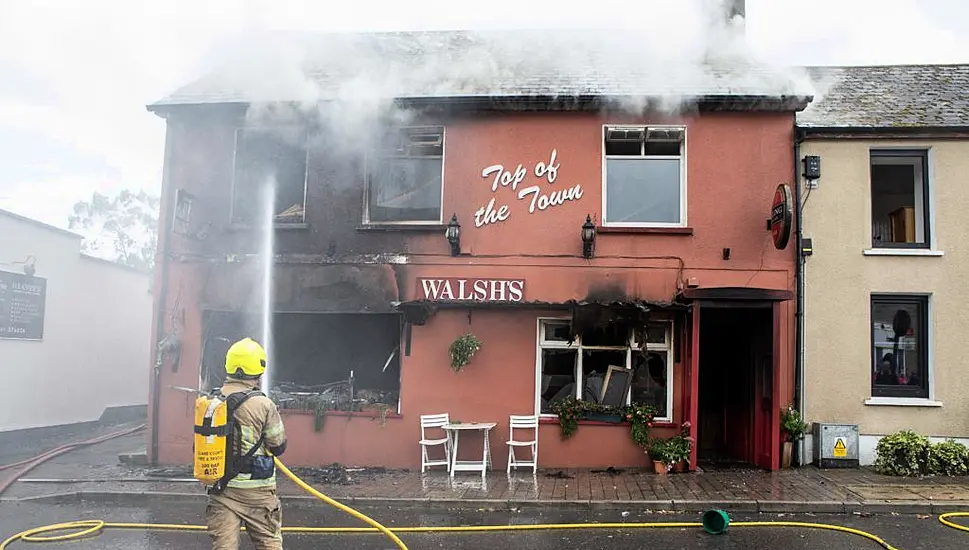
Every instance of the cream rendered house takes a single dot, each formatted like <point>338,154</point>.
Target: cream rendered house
<point>888,223</point>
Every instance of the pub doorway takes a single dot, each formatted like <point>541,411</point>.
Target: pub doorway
<point>736,386</point>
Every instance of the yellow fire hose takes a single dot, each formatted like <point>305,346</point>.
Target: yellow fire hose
<point>86,528</point>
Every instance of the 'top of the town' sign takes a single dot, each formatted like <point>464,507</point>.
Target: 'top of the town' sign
<point>781,216</point>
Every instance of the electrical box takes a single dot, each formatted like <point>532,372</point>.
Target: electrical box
<point>836,445</point>
<point>812,167</point>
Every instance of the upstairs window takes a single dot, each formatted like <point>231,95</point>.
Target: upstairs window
<point>405,176</point>
<point>276,157</point>
<point>899,199</point>
<point>644,176</point>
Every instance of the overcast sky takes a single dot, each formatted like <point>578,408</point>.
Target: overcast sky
<point>75,76</point>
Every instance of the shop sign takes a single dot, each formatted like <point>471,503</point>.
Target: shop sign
<point>471,290</point>
<point>781,216</point>
<point>538,197</point>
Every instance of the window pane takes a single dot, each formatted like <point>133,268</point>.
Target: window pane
<point>643,190</point>
<point>899,360</point>
<point>558,376</point>
<point>656,333</point>
<point>611,335</point>
<point>262,157</point>
<point>405,189</point>
<point>649,381</point>
<point>555,332</point>
<point>595,363</point>
<point>897,200</point>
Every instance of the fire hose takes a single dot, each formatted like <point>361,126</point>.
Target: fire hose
<point>87,528</point>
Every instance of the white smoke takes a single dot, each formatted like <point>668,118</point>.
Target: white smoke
<point>689,48</point>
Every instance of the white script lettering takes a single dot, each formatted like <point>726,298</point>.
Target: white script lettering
<point>488,214</point>
<point>556,198</point>
<point>551,170</point>
<point>504,177</point>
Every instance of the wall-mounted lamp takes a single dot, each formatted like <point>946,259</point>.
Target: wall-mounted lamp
<point>30,265</point>
<point>453,235</point>
<point>588,237</point>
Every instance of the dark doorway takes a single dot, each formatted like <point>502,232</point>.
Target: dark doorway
<point>735,386</point>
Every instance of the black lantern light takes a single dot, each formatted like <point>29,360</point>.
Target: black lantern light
<point>588,237</point>
<point>453,235</point>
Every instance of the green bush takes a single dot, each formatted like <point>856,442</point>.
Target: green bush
<point>904,453</point>
<point>949,458</point>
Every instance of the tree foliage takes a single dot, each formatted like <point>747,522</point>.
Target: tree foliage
<point>122,228</point>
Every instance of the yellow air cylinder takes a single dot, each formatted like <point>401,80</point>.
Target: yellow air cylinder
<point>211,430</point>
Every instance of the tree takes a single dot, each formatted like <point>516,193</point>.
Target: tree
<point>123,228</point>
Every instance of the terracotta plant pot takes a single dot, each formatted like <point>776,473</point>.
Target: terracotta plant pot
<point>787,453</point>
<point>659,467</point>
<point>680,467</point>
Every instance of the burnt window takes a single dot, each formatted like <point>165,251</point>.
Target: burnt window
<point>644,176</point>
<point>578,368</point>
<point>899,353</point>
<point>405,177</point>
<point>318,361</point>
<point>269,158</point>
<point>899,199</point>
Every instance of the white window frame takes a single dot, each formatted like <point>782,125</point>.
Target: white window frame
<point>683,174</point>
<point>370,154</point>
<point>631,346</point>
<point>235,152</point>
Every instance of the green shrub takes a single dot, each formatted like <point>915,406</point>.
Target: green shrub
<point>949,458</point>
<point>904,453</point>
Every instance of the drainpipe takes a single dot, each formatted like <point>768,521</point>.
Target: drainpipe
<point>168,204</point>
<point>799,284</point>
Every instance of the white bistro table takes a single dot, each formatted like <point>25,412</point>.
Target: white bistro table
<point>454,432</point>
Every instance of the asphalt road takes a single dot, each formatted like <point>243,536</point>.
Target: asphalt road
<point>904,532</point>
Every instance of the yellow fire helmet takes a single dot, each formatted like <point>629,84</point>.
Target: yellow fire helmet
<point>247,356</point>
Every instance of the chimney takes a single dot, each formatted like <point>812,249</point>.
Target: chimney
<point>735,8</point>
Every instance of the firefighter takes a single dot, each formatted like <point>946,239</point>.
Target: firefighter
<point>247,494</point>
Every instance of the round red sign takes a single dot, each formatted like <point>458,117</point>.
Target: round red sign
<point>781,216</point>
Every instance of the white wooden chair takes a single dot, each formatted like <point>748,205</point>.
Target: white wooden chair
<point>522,423</point>
<point>434,422</point>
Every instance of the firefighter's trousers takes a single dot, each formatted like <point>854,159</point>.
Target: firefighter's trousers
<point>258,509</point>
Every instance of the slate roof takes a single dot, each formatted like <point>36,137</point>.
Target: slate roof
<point>503,64</point>
<point>892,96</point>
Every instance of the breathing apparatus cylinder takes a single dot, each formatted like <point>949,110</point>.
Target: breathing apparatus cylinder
<point>211,439</point>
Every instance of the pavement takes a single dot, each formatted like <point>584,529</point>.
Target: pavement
<point>905,532</point>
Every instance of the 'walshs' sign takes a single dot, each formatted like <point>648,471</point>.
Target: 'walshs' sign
<point>22,306</point>
<point>471,290</point>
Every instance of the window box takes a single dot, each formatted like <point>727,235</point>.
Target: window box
<point>609,418</point>
<point>644,176</point>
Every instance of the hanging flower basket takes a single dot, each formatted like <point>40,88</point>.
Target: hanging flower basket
<point>462,350</point>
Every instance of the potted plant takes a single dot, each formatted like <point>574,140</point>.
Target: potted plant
<point>681,445</point>
<point>793,428</point>
<point>462,350</point>
<point>662,453</point>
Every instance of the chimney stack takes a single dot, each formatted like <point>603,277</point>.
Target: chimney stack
<point>735,8</point>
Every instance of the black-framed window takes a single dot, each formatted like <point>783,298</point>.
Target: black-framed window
<point>899,346</point>
<point>279,156</point>
<point>899,198</point>
<point>405,176</point>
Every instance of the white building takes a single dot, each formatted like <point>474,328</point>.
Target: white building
<point>74,329</point>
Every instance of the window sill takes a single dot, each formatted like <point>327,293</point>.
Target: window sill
<point>284,226</point>
<point>902,252</point>
<point>404,227</point>
<point>902,402</point>
<point>657,424</point>
<point>645,230</point>
<point>348,414</point>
